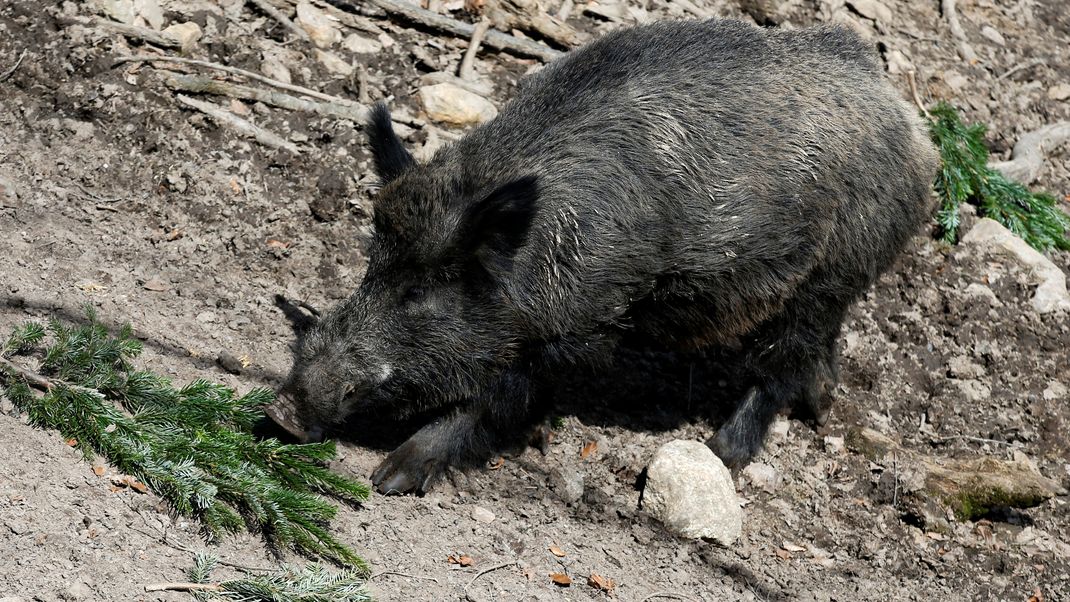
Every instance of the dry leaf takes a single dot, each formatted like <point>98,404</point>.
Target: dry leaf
<point>234,186</point>
<point>496,463</point>
<point>245,361</point>
<point>560,579</point>
<point>474,6</point>
<point>155,284</point>
<point>72,442</point>
<point>588,449</point>
<point>1037,596</point>
<point>783,554</point>
<point>99,470</point>
<point>175,234</point>
<point>556,551</point>
<point>139,487</point>
<point>462,560</point>
<point>787,545</point>
<point>277,244</point>
<point>599,582</point>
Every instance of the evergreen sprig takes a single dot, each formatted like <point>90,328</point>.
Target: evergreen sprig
<point>313,583</point>
<point>965,177</point>
<point>192,446</point>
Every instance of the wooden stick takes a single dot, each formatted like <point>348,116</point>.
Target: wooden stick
<point>1020,66</point>
<point>488,570</point>
<point>200,84</point>
<point>668,595</point>
<point>183,587</point>
<point>965,50</point>
<point>130,31</point>
<point>349,19</point>
<point>247,128</point>
<point>242,72</point>
<point>14,68</point>
<point>34,379</point>
<point>467,70</point>
<point>914,92</point>
<point>276,14</point>
<point>494,39</point>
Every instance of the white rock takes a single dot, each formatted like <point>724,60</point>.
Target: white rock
<point>955,80</point>
<point>362,45</point>
<point>834,445</point>
<point>319,25</point>
<point>778,431</point>
<point>150,11</point>
<point>990,236</point>
<point>1055,391</point>
<point>689,489</point>
<point>119,10</point>
<point>482,515</point>
<point>979,292</point>
<point>898,63</point>
<point>334,63</point>
<point>872,9</point>
<point>973,390</point>
<point>992,35</point>
<point>451,104</point>
<point>186,33</point>
<point>961,366</point>
<point>1059,92</point>
<point>8,191</point>
<point>763,476</point>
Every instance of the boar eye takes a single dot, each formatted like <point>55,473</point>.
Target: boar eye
<point>414,294</point>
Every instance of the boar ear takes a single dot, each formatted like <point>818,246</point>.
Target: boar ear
<point>495,227</point>
<point>391,157</point>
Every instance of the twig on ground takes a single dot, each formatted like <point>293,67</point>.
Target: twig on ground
<point>183,587</point>
<point>205,85</point>
<point>11,71</point>
<point>142,58</point>
<point>242,126</point>
<point>467,68</point>
<point>1031,151</point>
<point>965,50</point>
<point>131,31</point>
<point>488,570</point>
<point>1022,66</point>
<point>39,382</point>
<point>381,573</point>
<point>969,438</point>
<point>349,19</point>
<point>895,477</point>
<point>667,595</point>
<point>565,10</point>
<point>493,39</point>
<point>274,13</point>
<point>911,81</point>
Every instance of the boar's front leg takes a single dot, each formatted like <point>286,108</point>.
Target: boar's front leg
<point>504,415</point>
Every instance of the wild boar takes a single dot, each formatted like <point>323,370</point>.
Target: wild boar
<point>692,183</point>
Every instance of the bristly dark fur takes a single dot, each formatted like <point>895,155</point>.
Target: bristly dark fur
<point>691,182</point>
<point>391,156</point>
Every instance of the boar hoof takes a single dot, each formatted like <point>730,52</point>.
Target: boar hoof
<point>408,469</point>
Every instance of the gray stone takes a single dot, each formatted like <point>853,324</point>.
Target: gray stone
<point>452,104</point>
<point>568,484</point>
<point>689,489</point>
<point>872,9</point>
<point>992,35</point>
<point>323,30</point>
<point>482,515</point>
<point>8,192</point>
<point>362,45</point>
<point>1059,92</point>
<point>990,236</point>
<point>763,476</point>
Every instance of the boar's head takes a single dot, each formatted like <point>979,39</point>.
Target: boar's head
<point>432,320</point>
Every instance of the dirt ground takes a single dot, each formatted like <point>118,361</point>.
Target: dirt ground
<point>155,215</point>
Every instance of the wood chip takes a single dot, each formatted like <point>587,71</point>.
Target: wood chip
<point>560,579</point>
<point>556,551</point>
<point>601,583</point>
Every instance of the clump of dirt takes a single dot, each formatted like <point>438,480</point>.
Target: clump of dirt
<point>116,195</point>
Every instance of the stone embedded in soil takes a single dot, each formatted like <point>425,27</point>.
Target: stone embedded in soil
<point>689,489</point>
<point>872,9</point>
<point>361,45</point>
<point>319,25</point>
<point>228,362</point>
<point>993,35</point>
<point>482,515</point>
<point>1059,92</point>
<point>568,484</point>
<point>187,33</point>
<point>763,476</point>
<point>990,236</point>
<point>150,11</point>
<point>119,10</point>
<point>8,192</point>
<point>451,104</point>
<point>1054,391</point>
<point>334,63</point>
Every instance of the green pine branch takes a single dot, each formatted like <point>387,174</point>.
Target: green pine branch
<point>192,446</point>
<point>965,177</point>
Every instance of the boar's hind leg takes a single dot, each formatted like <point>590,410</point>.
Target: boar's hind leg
<point>497,420</point>
<point>794,359</point>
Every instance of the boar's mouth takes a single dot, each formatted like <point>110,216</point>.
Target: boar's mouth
<point>284,413</point>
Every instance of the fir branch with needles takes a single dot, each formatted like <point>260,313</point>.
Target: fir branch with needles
<point>192,445</point>
<point>966,177</point>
